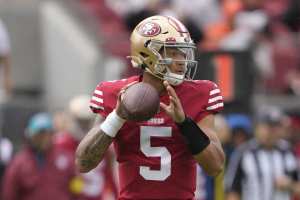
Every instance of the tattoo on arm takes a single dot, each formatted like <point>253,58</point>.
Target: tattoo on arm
<point>92,148</point>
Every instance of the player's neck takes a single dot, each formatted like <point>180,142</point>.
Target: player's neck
<point>154,81</point>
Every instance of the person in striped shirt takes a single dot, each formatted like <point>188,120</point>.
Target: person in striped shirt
<point>264,168</point>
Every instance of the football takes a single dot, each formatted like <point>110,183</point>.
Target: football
<point>140,102</point>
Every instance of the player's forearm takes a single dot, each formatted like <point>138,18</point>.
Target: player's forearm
<point>91,149</point>
<point>203,144</point>
<point>212,158</point>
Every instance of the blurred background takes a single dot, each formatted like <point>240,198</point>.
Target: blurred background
<point>56,50</point>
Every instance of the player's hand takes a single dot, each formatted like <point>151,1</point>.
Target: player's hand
<point>174,109</point>
<point>119,110</point>
<point>283,183</point>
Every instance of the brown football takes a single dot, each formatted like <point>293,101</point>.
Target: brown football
<point>140,102</point>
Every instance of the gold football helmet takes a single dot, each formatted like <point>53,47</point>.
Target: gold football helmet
<point>149,42</point>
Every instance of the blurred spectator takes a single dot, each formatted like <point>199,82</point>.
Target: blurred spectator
<point>275,116</point>
<point>264,168</point>
<point>292,15</point>
<point>277,56</point>
<point>61,121</point>
<point>247,23</point>
<point>6,152</point>
<point>5,62</point>
<point>293,79</point>
<point>39,171</point>
<point>284,55</point>
<point>99,183</point>
<point>81,116</point>
<point>276,9</point>
<point>240,127</point>
<point>295,134</point>
<point>217,30</point>
<point>125,7</point>
<point>209,188</point>
<point>201,12</point>
<point>5,91</point>
<point>240,23</point>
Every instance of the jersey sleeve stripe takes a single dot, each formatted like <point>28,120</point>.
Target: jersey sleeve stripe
<point>97,99</point>
<point>215,91</point>
<point>95,106</point>
<point>96,103</point>
<point>215,106</point>
<point>99,92</point>
<point>214,99</point>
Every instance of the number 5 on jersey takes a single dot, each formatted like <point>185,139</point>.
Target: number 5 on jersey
<point>165,157</point>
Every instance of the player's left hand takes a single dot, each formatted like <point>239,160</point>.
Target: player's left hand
<point>174,109</point>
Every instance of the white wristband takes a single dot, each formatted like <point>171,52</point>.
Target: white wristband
<point>112,124</point>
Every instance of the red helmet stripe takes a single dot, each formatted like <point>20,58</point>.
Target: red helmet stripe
<point>177,25</point>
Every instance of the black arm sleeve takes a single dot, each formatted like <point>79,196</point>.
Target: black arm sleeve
<point>195,138</point>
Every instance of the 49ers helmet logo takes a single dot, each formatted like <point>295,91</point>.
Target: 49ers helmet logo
<point>149,29</point>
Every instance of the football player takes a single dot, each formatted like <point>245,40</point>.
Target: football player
<point>157,158</point>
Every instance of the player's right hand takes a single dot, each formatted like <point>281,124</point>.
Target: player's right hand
<point>120,111</point>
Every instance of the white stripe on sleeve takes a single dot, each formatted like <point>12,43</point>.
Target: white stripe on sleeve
<point>99,92</point>
<point>215,106</point>
<point>99,100</point>
<point>215,91</point>
<point>214,99</point>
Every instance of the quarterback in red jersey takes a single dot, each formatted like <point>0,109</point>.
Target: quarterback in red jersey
<point>157,158</point>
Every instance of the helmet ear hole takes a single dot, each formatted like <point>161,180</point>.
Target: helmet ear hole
<point>144,54</point>
<point>147,43</point>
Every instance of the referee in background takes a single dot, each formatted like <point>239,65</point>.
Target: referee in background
<point>264,168</point>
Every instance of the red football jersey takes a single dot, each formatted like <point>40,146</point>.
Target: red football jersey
<point>154,161</point>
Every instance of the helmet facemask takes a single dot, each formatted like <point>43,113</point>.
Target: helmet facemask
<point>161,68</point>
